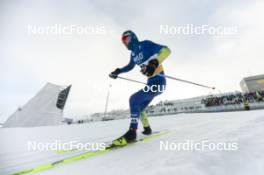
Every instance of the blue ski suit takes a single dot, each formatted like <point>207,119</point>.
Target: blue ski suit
<point>141,55</point>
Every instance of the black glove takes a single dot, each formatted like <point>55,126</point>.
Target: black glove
<point>115,73</point>
<point>150,68</point>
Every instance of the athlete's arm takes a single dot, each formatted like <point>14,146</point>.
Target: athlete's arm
<point>163,54</point>
<point>128,67</point>
<point>118,71</point>
<point>160,53</point>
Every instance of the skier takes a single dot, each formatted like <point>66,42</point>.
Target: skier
<point>149,56</point>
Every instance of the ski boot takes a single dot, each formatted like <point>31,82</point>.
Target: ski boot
<point>128,137</point>
<point>147,131</point>
<point>145,122</point>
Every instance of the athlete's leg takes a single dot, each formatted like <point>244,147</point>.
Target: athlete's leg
<point>141,99</point>
<point>135,100</point>
<point>144,119</point>
<point>160,81</point>
<point>138,102</point>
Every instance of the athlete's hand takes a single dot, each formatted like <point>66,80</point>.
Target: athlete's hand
<point>150,68</point>
<point>115,73</point>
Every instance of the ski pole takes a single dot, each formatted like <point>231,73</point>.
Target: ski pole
<point>107,100</point>
<point>128,79</point>
<point>186,81</point>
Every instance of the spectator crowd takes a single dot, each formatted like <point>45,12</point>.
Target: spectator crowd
<point>235,98</point>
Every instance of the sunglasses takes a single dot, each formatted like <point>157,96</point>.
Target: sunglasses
<point>126,39</point>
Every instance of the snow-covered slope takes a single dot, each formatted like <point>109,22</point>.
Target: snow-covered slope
<point>41,110</point>
<point>244,128</point>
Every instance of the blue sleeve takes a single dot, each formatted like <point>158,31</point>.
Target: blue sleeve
<point>128,67</point>
<point>152,47</point>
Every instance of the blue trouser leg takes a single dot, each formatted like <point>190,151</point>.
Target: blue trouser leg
<point>141,99</point>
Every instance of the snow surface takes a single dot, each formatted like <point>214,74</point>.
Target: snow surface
<point>245,128</point>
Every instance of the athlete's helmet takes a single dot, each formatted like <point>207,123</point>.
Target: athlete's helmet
<point>130,39</point>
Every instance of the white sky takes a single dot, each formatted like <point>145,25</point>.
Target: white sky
<point>28,62</point>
